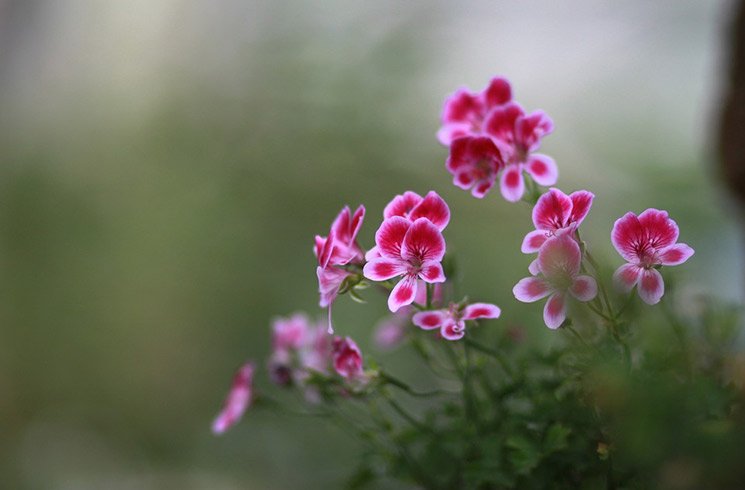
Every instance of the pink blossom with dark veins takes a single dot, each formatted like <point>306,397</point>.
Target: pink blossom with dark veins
<point>647,242</point>
<point>558,268</point>
<point>238,400</point>
<point>340,248</point>
<point>464,111</point>
<point>410,250</point>
<point>452,320</point>
<point>555,214</point>
<point>474,162</point>
<point>518,136</point>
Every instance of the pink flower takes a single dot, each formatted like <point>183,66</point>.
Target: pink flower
<point>474,162</point>
<point>412,206</point>
<point>559,264</point>
<point>238,400</point>
<point>451,321</point>
<point>347,358</point>
<point>390,331</point>
<point>647,242</point>
<point>411,250</point>
<point>298,347</point>
<point>340,248</point>
<point>517,136</point>
<point>464,111</point>
<point>555,214</point>
<point>289,333</point>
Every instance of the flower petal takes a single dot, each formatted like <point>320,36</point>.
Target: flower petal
<point>373,253</point>
<point>626,277</point>
<point>676,254</point>
<point>533,241</point>
<point>662,230</point>
<point>429,320</point>
<point>432,272</point>
<point>482,188</point>
<point>451,132</point>
<point>555,311</point>
<point>581,203</point>
<point>533,268</point>
<point>453,330</point>
<point>530,289</point>
<point>402,204</point>
<point>498,92</point>
<point>584,288</point>
<point>626,234</point>
<point>434,208</point>
<point>543,169</point>
<point>390,236</point>
<point>511,183</point>
<point>530,129</point>
<point>559,258</point>
<point>481,310</point>
<point>423,242</point>
<point>462,106</point>
<point>500,122</point>
<point>552,210</point>
<point>651,287</point>
<point>403,293</point>
<point>384,268</point>
<point>464,178</point>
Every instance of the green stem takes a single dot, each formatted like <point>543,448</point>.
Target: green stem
<point>406,415</point>
<point>393,381</point>
<point>493,353</point>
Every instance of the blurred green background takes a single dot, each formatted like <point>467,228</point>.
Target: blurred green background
<point>166,164</point>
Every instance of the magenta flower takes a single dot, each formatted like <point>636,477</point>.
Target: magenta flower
<point>340,248</point>
<point>475,162</point>
<point>411,250</point>
<point>558,265</point>
<point>347,358</point>
<point>238,400</point>
<point>555,214</point>
<point>647,242</point>
<point>517,136</point>
<point>451,321</point>
<point>465,111</point>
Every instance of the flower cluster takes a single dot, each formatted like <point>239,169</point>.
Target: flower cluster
<point>490,136</point>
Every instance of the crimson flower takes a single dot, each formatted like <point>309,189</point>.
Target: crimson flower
<point>555,214</point>
<point>558,267</point>
<point>340,248</point>
<point>451,321</point>
<point>647,242</point>
<point>518,135</point>
<point>475,162</point>
<point>411,250</point>
<point>347,358</point>
<point>465,111</point>
<point>238,400</point>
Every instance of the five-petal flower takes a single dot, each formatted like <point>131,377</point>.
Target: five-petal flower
<point>475,162</point>
<point>411,250</point>
<point>555,214</point>
<point>452,321</point>
<point>647,242</point>
<point>518,136</point>
<point>558,267</point>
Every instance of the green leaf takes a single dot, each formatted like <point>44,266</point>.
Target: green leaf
<point>556,438</point>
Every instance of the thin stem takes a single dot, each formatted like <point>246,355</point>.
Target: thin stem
<point>406,415</point>
<point>571,329</point>
<point>393,381</point>
<point>495,354</point>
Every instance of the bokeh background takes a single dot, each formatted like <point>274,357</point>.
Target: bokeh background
<point>165,164</point>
